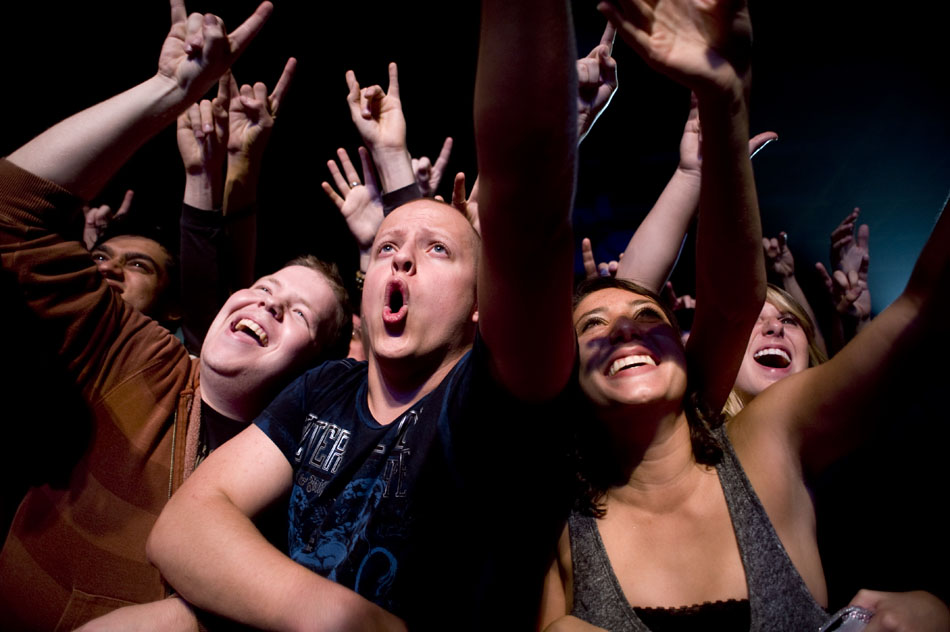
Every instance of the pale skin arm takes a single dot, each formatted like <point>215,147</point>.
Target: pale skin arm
<point>83,152</point>
<point>655,246</point>
<point>705,46</point>
<point>202,134</point>
<point>525,52</point>
<point>168,615</point>
<point>207,548</point>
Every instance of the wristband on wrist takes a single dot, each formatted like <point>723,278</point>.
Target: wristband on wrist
<point>400,196</point>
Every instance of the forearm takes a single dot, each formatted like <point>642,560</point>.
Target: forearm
<point>83,152</point>
<point>526,161</point>
<point>394,166</point>
<point>201,191</point>
<point>730,275</point>
<point>216,559</point>
<point>655,246</point>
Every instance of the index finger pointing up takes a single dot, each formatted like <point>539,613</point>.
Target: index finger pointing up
<point>393,89</point>
<point>179,12</point>
<point>607,39</point>
<point>282,84</point>
<point>240,37</point>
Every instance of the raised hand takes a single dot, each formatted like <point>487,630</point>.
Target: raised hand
<point>848,248</point>
<point>591,268</point>
<point>252,113</point>
<point>702,44</point>
<point>360,204</point>
<point>849,291</point>
<point>468,206</point>
<point>97,219</point>
<point>777,255</point>
<point>197,50</point>
<point>429,175</point>
<point>202,134</point>
<point>377,115</point>
<point>596,82</point>
<point>691,161</point>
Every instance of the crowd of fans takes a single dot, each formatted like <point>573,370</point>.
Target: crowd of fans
<point>461,441</point>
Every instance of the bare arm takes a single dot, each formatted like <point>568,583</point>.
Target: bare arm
<point>207,548</point>
<point>655,246</point>
<point>820,413</point>
<point>83,152</point>
<point>526,163</point>
<point>706,48</point>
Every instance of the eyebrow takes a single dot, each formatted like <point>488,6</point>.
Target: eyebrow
<point>295,297</point>
<point>129,255</point>
<point>598,310</point>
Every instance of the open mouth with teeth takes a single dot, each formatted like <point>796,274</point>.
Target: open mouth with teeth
<point>772,358</point>
<point>629,362</point>
<point>252,329</point>
<point>397,302</point>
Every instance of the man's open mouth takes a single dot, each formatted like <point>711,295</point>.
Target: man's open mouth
<point>397,302</point>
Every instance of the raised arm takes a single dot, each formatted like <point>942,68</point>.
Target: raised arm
<point>596,82</point>
<point>655,246</point>
<point>526,163</point>
<point>706,47</point>
<point>83,152</point>
<point>378,117</point>
<point>823,411</point>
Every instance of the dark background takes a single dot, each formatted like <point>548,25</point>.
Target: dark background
<point>857,95</point>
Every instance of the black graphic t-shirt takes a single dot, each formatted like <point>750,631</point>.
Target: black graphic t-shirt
<point>456,504</point>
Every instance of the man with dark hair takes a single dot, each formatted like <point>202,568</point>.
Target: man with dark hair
<point>76,550</point>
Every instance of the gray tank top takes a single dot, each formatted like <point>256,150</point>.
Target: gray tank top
<point>778,597</point>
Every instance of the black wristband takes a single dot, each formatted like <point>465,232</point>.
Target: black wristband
<point>400,196</point>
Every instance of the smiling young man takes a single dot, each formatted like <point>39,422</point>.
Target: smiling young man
<point>76,551</point>
<point>422,483</point>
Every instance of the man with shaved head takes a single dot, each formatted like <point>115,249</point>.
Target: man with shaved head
<point>409,475</point>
